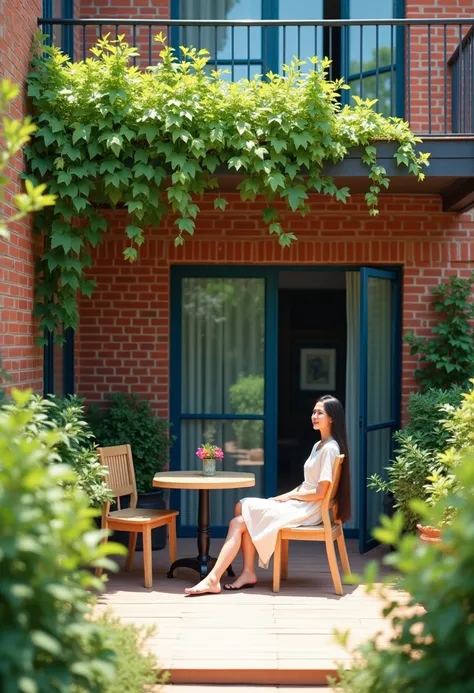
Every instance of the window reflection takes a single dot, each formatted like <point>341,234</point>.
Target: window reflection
<point>366,56</point>
<point>223,344</point>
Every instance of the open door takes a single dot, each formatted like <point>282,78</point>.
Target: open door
<point>379,388</point>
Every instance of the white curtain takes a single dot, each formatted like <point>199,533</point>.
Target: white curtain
<point>353,387</point>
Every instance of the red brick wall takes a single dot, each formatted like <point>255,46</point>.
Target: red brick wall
<point>21,357</point>
<point>141,37</point>
<point>124,328</point>
<point>429,79</point>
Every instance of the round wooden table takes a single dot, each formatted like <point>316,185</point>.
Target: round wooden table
<point>196,480</point>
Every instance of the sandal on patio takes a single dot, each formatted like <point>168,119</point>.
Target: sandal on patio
<point>245,586</point>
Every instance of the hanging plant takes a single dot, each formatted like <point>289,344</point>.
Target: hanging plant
<point>152,141</point>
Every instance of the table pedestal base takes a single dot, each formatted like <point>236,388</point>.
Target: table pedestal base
<point>204,562</point>
<point>196,564</point>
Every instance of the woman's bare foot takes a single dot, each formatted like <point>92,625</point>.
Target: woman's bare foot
<point>207,586</point>
<point>245,578</point>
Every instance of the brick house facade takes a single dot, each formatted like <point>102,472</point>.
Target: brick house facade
<point>123,339</point>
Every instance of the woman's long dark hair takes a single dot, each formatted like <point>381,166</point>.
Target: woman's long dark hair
<point>335,411</point>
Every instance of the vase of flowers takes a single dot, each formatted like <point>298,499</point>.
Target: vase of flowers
<point>209,454</point>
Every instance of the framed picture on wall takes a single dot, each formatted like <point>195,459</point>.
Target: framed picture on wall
<point>317,369</point>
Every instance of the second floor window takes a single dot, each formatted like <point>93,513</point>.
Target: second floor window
<point>366,57</point>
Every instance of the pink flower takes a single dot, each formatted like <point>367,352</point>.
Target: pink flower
<point>207,451</point>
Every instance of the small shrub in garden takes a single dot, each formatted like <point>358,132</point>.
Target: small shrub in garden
<point>47,544</point>
<point>430,649</point>
<point>129,419</point>
<point>75,446</point>
<point>443,481</point>
<point>418,446</point>
<point>136,668</point>
<point>426,411</point>
<point>407,477</point>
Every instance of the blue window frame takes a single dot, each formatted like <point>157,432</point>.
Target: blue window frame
<point>61,36</point>
<point>190,418</point>
<point>370,59</point>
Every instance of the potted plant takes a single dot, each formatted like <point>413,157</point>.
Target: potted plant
<point>209,454</point>
<point>130,419</point>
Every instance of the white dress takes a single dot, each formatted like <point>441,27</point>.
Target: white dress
<point>265,517</point>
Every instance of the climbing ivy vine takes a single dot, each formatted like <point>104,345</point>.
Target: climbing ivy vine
<point>153,141</point>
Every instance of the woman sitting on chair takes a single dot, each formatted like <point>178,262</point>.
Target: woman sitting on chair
<point>257,521</point>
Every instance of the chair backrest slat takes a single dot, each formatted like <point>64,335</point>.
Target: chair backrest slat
<point>121,477</point>
<point>330,496</point>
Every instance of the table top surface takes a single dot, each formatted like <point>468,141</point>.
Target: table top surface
<point>196,479</point>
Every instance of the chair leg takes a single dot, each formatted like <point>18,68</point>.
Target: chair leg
<point>341,545</point>
<point>333,567</point>
<point>284,558</point>
<point>147,557</point>
<point>277,564</point>
<point>132,542</point>
<point>172,539</point>
<point>99,571</point>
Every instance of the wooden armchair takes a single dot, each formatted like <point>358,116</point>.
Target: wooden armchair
<point>329,531</point>
<point>121,481</point>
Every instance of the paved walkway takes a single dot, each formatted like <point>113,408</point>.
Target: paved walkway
<point>253,636</point>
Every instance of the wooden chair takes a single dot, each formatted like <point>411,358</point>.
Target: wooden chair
<point>121,480</point>
<point>329,531</point>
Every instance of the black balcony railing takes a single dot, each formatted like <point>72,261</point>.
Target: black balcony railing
<point>462,70</point>
<point>418,69</point>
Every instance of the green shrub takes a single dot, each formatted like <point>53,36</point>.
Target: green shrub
<point>47,545</point>
<point>447,358</point>
<point>75,447</point>
<point>136,667</point>
<point>418,445</point>
<point>442,481</point>
<point>407,477</point>
<point>246,397</point>
<point>426,414</point>
<point>128,419</point>
<point>430,649</point>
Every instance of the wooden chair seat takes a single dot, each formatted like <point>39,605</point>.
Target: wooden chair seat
<point>141,515</point>
<point>329,531</point>
<point>121,480</point>
<point>309,533</point>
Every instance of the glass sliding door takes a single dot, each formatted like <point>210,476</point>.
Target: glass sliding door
<point>220,391</point>
<point>379,388</point>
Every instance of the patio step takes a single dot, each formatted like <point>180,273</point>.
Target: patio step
<point>231,688</point>
<point>297,673</point>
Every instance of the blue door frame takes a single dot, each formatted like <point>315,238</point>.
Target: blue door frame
<point>271,360</point>
<point>270,275</point>
<point>366,540</point>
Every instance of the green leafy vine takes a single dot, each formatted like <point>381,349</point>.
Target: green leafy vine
<point>152,142</point>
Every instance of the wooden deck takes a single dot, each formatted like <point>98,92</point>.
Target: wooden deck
<point>253,636</point>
